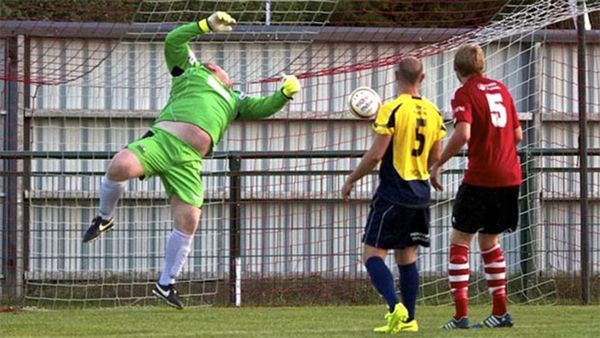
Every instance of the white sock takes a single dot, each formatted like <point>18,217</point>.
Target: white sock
<point>178,247</point>
<point>110,192</point>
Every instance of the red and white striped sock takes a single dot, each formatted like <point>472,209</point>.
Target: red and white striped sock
<point>495,274</point>
<point>458,275</point>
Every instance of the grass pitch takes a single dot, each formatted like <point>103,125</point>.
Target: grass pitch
<point>340,321</point>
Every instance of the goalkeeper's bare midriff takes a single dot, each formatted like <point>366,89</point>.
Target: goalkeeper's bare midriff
<point>189,133</point>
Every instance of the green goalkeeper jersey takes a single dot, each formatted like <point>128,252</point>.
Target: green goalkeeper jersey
<point>199,97</point>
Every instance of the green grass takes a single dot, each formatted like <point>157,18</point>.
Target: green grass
<point>344,321</point>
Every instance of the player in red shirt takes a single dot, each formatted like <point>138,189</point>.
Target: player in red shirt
<point>487,200</point>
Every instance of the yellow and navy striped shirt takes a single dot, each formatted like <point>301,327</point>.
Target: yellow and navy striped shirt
<point>415,125</point>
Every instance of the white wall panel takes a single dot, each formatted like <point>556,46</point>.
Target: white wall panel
<point>286,233</point>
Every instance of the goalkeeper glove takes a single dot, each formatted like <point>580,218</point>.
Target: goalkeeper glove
<point>217,22</point>
<point>290,85</point>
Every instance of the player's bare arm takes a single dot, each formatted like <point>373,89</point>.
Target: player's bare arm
<point>369,160</point>
<point>460,137</point>
<point>518,135</point>
<point>435,154</point>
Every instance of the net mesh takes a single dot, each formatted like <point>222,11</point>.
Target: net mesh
<point>92,88</point>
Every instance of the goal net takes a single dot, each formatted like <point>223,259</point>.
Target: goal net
<point>274,229</point>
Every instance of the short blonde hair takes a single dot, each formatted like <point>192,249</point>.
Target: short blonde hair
<point>469,60</point>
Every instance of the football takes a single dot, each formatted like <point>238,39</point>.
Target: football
<point>364,102</point>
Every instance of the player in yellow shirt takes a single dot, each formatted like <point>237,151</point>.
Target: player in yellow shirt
<point>408,131</point>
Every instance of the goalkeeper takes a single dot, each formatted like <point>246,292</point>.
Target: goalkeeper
<point>201,106</point>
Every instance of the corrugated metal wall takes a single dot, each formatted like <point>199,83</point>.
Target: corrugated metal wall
<point>560,215</point>
<point>298,227</point>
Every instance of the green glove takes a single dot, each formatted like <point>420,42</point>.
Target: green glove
<point>290,85</point>
<point>217,22</point>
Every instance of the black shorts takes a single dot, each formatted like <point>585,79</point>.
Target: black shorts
<point>392,226</point>
<point>486,210</point>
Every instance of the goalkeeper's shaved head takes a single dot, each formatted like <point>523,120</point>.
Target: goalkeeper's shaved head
<point>410,70</point>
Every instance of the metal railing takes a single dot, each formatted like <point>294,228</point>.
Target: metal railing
<point>236,202</point>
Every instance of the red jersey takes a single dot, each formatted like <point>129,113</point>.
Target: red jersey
<point>489,108</point>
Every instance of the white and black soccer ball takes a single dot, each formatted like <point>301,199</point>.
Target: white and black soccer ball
<point>364,102</point>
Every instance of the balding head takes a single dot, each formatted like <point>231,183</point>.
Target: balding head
<point>410,70</point>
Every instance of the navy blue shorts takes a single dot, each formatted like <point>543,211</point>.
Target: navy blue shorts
<point>392,226</point>
<point>486,210</point>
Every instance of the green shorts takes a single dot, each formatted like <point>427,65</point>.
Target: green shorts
<point>175,162</point>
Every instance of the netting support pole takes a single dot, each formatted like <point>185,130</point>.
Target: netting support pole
<point>530,182</point>
<point>26,183</point>
<point>525,236</point>
<point>235,164</point>
<point>267,13</point>
<point>11,264</point>
<point>583,164</point>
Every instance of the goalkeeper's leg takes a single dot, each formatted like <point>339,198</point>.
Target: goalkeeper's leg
<point>178,247</point>
<point>123,166</point>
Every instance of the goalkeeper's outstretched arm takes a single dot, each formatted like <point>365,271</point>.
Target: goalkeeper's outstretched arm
<point>260,107</point>
<point>178,53</point>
